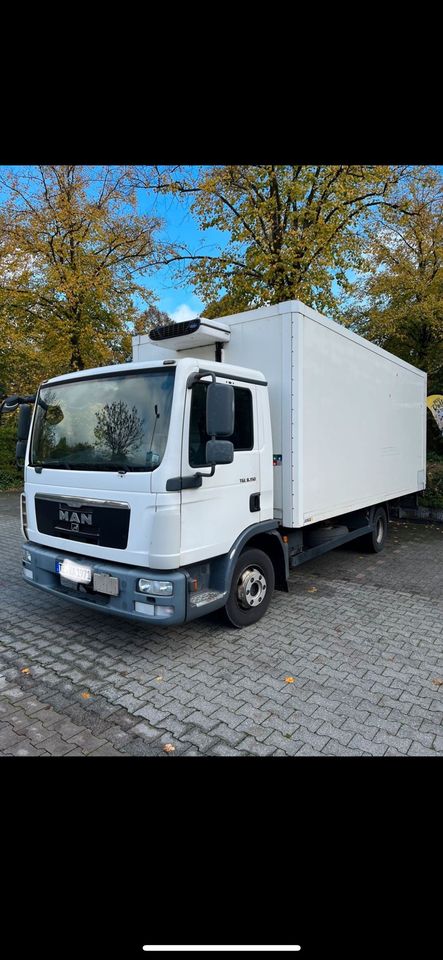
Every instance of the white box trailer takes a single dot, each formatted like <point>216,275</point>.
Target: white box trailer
<point>193,478</point>
<point>348,418</point>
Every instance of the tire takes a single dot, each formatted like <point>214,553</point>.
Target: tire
<point>374,542</point>
<point>251,591</point>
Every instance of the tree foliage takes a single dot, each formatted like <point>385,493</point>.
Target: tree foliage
<point>150,318</point>
<point>399,302</point>
<point>73,251</point>
<point>290,231</point>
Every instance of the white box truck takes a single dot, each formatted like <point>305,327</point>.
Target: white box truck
<point>226,453</point>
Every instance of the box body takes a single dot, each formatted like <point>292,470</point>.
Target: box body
<point>348,419</point>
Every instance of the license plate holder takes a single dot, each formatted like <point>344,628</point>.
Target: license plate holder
<point>105,583</point>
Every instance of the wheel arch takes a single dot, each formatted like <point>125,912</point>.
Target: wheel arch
<point>260,536</point>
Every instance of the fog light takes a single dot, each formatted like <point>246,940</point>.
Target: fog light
<point>163,611</point>
<point>155,588</point>
<point>153,610</point>
<point>148,609</point>
<point>28,573</point>
<point>27,556</point>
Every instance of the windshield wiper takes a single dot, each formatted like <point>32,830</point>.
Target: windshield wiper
<point>62,464</point>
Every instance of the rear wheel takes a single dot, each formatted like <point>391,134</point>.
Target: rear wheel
<point>375,541</point>
<point>251,589</point>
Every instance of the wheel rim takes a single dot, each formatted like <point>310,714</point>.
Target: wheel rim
<point>380,530</point>
<point>251,588</point>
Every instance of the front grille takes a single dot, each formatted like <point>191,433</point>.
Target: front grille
<point>106,526</point>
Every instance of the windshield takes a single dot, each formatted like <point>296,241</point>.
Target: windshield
<point>108,422</point>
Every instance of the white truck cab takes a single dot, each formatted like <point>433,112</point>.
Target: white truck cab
<point>181,483</point>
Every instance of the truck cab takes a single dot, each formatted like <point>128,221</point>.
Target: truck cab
<point>144,482</point>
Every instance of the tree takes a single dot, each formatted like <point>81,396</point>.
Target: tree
<point>72,252</point>
<point>150,318</point>
<point>399,302</point>
<point>291,231</point>
<point>118,428</point>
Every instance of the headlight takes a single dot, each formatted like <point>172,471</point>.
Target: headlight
<point>155,588</point>
<point>27,556</point>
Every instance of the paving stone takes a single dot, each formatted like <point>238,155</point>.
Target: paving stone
<point>251,746</point>
<point>418,750</point>
<point>259,732</point>
<point>66,729</point>
<point>106,751</point>
<point>142,748</point>
<point>57,747</point>
<point>26,749</point>
<point>8,737</point>
<point>150,713</point>
<point>224,750</point>
<point>225,733</point>
<point>287,746</point>
<point>363,653</point>
<point>145,731</point>
<point>199,739</point>
<point>201,720</point>
<point>367,746</point>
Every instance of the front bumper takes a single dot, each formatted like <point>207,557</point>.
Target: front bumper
<point>40,571</point>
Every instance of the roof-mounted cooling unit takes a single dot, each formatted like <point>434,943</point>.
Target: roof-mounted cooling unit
<point>191,333</point>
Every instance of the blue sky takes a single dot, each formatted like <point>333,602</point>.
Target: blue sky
<point>176,297</point>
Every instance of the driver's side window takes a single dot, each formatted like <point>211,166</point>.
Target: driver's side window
<point>243,436</point>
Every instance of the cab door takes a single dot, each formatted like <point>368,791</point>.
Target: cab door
<point>213,515</point>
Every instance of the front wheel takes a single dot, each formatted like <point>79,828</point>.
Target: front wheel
<point>251,589</point>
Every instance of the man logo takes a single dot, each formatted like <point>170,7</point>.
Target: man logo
<point>75,519</point>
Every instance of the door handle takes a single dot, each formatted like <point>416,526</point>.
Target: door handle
<point>254,502</point>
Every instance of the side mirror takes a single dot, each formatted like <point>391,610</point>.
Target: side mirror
<point>24,420</point>
<point>10,404</point>
<point>219,451</point>
<point>20,450</point>
<point>220,409</point>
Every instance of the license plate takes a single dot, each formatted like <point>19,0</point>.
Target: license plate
<point>74,571</point>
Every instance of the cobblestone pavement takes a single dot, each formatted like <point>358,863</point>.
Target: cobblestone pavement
<point>362,636</point>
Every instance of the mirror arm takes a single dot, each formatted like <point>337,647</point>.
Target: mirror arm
<point>210,474</point>
<point>18,401</point>
<point>211,465</point>
<point>195,377</point>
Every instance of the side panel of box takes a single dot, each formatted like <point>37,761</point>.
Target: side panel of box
<point>362,425</point>
<point>296,419</point>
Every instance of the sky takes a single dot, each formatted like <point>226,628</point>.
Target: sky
<point>177,298</point>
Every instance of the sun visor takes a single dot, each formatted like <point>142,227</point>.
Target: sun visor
<point>190,333</point>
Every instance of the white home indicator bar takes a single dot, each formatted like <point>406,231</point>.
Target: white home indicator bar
<point>225,948</point>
